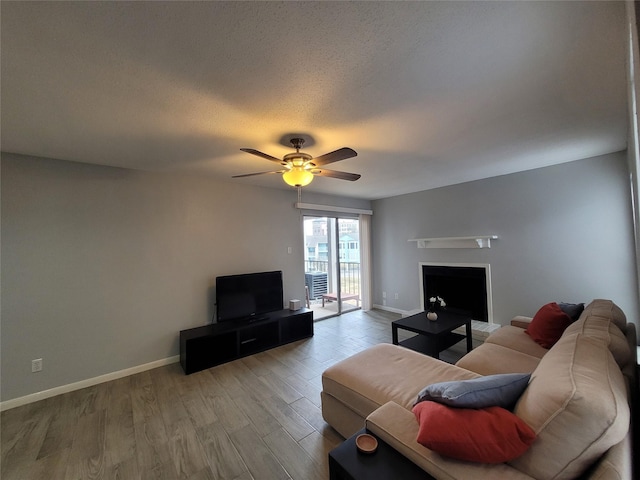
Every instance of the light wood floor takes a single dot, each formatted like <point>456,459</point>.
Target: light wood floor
<point>254,418</point>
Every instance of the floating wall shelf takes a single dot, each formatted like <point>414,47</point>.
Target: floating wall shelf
<point>477,241</point>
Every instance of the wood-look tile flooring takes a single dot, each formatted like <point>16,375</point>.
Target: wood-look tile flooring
<point>255,418</point>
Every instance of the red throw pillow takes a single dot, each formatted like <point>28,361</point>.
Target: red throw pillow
<point>487,435</point>
<point>548,324</point>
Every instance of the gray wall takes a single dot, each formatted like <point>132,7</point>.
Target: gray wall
<point>565,235</point>
<point>101,267</point>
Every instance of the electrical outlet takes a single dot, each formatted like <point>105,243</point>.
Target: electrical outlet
<point>36,365</point>
<point>384,294</point>
<point>395,296</point>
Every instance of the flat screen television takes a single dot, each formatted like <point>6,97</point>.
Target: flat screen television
<point>248,296</point>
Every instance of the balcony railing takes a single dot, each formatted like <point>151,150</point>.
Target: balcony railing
<point>349,274</point>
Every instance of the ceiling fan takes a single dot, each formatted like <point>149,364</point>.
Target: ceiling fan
<point>300,168</point>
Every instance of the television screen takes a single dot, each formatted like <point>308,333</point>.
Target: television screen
<point>249,295</point>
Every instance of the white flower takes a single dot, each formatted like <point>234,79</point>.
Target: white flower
<point>439,301</point>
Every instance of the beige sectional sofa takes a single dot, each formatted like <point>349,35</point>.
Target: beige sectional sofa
<point>578,400</point>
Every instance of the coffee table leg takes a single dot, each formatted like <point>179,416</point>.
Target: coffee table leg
<point>394,334</point>
<point>469,337</point>
<point>433,348</point>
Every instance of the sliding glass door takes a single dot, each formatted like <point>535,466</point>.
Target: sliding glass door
<point>332,265</point>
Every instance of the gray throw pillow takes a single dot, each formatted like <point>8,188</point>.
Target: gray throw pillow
<point>574,310</point>
<point>502,390</point>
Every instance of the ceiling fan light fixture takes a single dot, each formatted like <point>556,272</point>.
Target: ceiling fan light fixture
<point>300,167</point>
<point>298,176</point>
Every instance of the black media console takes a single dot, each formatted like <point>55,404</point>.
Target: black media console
<point>205,347</point>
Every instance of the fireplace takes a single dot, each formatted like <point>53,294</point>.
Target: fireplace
<point>464,287</point>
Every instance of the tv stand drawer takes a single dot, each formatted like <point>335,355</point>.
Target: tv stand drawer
<point>257,338</point>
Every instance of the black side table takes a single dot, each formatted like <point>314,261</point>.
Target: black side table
<point>433,336</point>
<point>347,463</point>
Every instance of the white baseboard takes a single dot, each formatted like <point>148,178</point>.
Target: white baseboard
<point>404,313</point>
<point>481,330</point>
<point>52,392</point>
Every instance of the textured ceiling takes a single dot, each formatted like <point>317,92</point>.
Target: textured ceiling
<point>428,93</point>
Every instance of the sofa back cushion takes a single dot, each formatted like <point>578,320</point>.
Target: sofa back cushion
<point>607,309</point>
<point>576,403</point>
<point>604,329</point>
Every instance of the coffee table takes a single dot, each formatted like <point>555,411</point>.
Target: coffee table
<point>434,336</point>
<point>347,463</point>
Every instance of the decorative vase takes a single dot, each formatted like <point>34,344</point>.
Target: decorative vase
<point>432,316</point>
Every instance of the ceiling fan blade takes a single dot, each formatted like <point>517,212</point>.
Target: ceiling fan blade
<point>323,172</point>
<point>263,155</point>
<point>258,173</point>
<point>341,154</point>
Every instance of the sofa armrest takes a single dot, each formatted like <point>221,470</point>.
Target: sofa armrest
<point>521,321</point>
<point>398,427</point>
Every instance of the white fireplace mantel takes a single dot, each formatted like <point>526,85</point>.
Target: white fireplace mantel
<point>476,241</point>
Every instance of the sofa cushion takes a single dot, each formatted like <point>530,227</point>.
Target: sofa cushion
<point>385,372</point>
<point>605,329</point>
<point>576,402</point>
<point>616,463</point>
<point>516,338</point>
<point>607,309</point>
<point>340,416</point>
<point>501,390</point>
<point>548,324</point>
<point>490,358</point>
<point>486,435</point>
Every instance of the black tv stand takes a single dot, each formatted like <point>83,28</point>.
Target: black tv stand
<point>211,345</point>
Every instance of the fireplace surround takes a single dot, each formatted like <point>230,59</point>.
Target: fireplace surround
<point>463,286</point>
